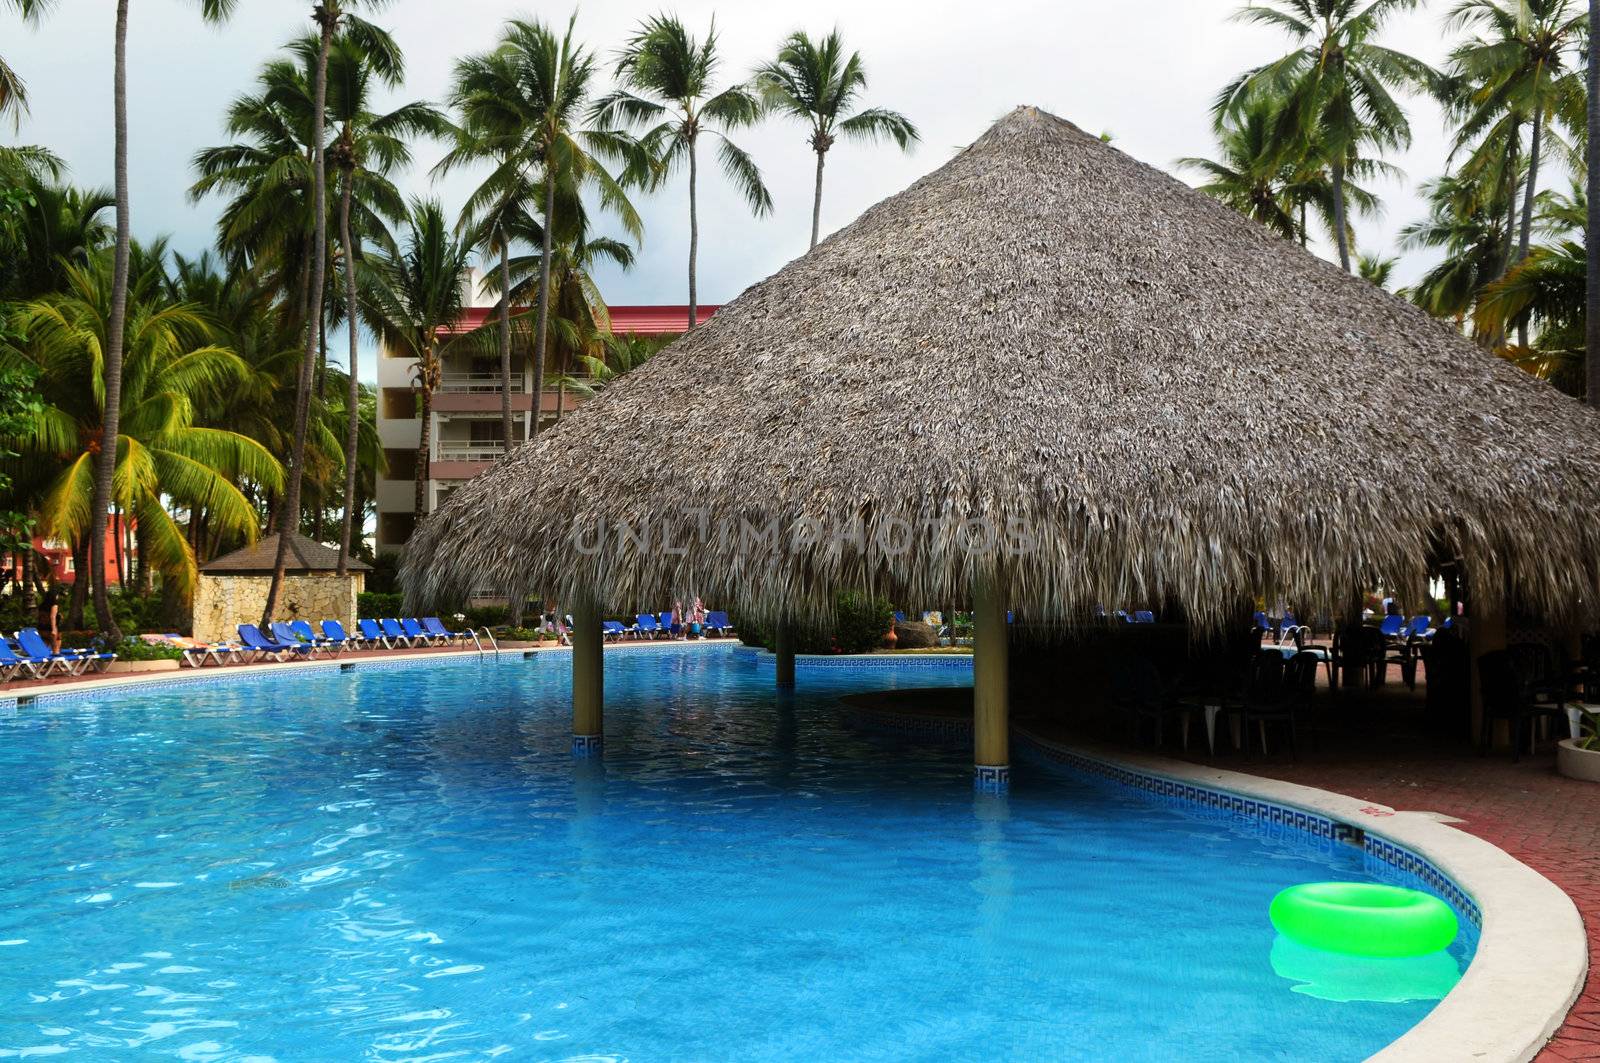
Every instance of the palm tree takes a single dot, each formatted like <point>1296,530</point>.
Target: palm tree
<point>172,370</point>
<point>1336,88</point>
<point>13,93</point>
<point>106,465</point>
<point>1522,68</point>
<point>368,147</point>
<point>410,298</point>
<point>57,226</point>
<point>816,83</point>
<point>329,15</point>
<point>523,105</point>
<point>667,85</point>
<point>1468,221</point>
<point>1251,176</point>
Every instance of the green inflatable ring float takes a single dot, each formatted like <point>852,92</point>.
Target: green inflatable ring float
<point>1363,919</point>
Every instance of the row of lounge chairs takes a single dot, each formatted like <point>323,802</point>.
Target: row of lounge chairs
<point>289,640</point>
<point>31,657</point>
<point>668,625</point>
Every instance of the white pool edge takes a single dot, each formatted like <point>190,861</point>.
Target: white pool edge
<point>1532,955</point>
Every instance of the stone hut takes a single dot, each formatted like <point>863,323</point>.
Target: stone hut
<point>233,588</point>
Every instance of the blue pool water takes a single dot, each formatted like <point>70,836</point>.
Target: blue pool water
<point>407,864</point>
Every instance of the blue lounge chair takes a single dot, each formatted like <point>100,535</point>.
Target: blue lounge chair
<point>334,635</point>
<point>1144,616</point>
<point>11,665</point>
<point>1392,626</point>
<point>395,634</point>
<point>648,628</point>
<point>1420,627</point>
<point>196,653</point>
<point>612,629</point>
<point>718,621</point>
<point>303,631</point>
<point>286,635</point>
<point>669,623</point>
<point>435,627</point>
<point>73,662</point>
<point>254,640</point>
<point>372,634</point>
<point>418,635</point>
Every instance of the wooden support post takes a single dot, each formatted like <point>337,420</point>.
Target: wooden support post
<point>1486,632</point>
<point>588,680</point>
<point>991,690</point>
<point>784,649</point>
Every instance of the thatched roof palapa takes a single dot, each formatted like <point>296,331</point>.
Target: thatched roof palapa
<point>1173,402</point>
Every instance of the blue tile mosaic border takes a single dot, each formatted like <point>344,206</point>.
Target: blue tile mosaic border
<point>907,723</point>
<point>1378,849</point>
<point>586,747</point>
<point>949,661</point>
<point>991,779</point>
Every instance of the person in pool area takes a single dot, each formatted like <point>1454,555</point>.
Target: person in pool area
<point>697,618</point>
<point>49,619</point>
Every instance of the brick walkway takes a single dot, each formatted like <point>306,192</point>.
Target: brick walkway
<point>1384,751</point>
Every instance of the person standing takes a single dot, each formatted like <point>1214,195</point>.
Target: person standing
<point>49,619</point>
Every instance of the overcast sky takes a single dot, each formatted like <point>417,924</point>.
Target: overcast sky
<point>1143,70</point>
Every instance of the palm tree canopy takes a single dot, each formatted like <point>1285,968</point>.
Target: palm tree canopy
<point>816,82</point>
<point>668,90</point>
<point>411,296</point>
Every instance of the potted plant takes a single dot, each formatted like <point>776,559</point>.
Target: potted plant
<point>139,655</point>
<point>1579,758</point>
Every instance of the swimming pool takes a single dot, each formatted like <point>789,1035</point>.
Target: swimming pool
<point>408,864</point>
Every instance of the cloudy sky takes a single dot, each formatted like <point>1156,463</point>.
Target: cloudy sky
<point>1143,70</point>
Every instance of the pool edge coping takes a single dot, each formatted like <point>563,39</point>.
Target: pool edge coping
<point>1532,949</point>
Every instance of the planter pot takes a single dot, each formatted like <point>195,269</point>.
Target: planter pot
<point>508,644</point>
<point>143,666</point>
<point>1577,763</point>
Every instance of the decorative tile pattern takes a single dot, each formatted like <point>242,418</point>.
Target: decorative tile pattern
<point>586,747</point>
<point>991,778</point>
<point>947,728</point>
<point>1382,854</point>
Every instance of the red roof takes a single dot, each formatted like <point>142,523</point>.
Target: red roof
<point>637,320</point>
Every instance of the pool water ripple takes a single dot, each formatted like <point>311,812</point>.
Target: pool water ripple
<point>408,864</point>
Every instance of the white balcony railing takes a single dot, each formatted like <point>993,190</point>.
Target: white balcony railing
<point>467,450</point>
<point>477,383</point>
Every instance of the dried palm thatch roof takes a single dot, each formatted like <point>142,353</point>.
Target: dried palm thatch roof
<point>1168,401</point>
<point>257,559</point>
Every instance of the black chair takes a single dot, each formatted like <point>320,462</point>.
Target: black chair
<point>1359,652</point>
<point>1138,690</point>
<point>1542,671</point>
<point>1280,691</point>
<point>1508,695</point>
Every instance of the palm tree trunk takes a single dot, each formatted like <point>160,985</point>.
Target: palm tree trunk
<point>289,519</point>
<point>1592,240</point>
<point>322,351</point>
<point>147,582</point>
<point>816,200</point>
<point>505,340</point>
<point>694,241</point>
<point>544,303</point>
<point>1533,185</point>
<point>352,428</point>
<point>106,461</point>
<point>561,397</point>
<point>29,598</point>
<point>419,499</point>
<point>1341,232</point>
<point>121,533</point>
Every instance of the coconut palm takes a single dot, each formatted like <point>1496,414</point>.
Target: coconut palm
<point>817,83</point>
<point>1521,67</point>
<point>106,465</point>
<point>368,147</point>
<point>1467,220</point>
<point>668,89</point>
<point>523,105</point>
<point>172,370</point>
<point>409,298</point>
<point>13,93</point>
<point>1546,291</point>
<point>331,17</point>
<point>1336,88</point>
<point>56,226</point>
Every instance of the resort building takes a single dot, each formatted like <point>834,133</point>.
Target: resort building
<point>466,435</point>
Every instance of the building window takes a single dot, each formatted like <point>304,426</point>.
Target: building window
<point>402,463</point>
<point>394,529</point>
<point>400,404</point>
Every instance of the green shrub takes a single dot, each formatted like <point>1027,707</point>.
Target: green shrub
<point>372,605</point>
<point>861,622</point>
<point>140,650</point>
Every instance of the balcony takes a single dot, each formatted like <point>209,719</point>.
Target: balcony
<point>477,384</point>
<point>468,450</point>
